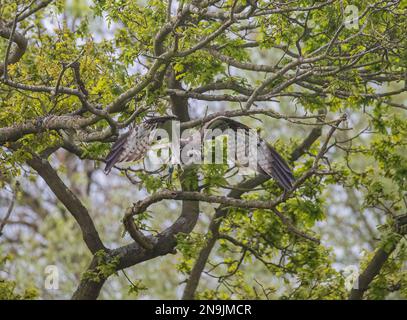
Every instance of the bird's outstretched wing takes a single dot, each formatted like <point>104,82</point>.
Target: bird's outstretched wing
<point>272,163</point>
<point>134,144</point>
<point>269,161</point>
<point>131,146</point>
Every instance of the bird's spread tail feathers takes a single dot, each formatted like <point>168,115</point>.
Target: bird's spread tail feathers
<point>115,152</point>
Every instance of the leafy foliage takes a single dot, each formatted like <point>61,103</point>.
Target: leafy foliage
<point>91,70</point>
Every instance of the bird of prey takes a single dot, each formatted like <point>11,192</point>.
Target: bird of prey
<point>269,161</point>
<point>134,144</point>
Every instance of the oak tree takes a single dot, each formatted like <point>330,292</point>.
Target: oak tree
<point>323,81</point>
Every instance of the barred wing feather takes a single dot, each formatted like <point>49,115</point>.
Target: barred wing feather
<point>273,164</point>
<point>131,146</point>
<point>269,161</point>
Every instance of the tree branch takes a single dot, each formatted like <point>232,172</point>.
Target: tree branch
<point>70,201</point>
<point>377,262</point>
<point>17,52</point>
<point>8,212</point>
<point>371,271</point>
<point>221,212</point>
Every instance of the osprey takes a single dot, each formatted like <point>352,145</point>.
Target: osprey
<point>134,144</point>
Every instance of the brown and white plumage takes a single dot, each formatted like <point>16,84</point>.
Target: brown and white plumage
<point>134,144</point>
<point>269,161</point>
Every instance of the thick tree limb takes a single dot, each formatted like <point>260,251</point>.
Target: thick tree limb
<point>371,271</point>
<point>16,131</point>
<point>89,289</point>
<point>70,201</point>
<point>377,262</point>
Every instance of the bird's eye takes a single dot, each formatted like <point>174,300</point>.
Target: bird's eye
<point>158,137</point>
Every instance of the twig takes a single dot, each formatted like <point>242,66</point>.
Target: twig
<point>13,30</point>
<point>9,211</point>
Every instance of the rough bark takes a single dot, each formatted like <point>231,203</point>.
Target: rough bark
<point>70,201</point>
<point>371,271</point>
